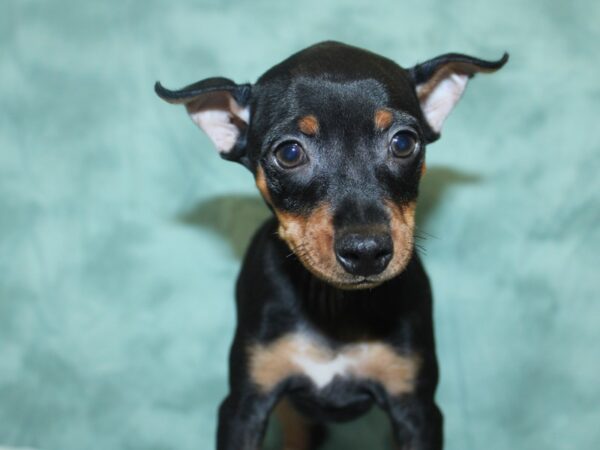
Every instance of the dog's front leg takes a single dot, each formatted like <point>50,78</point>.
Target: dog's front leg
<point>416,422</point>
<point>243,418</point>
<point>244,413</point>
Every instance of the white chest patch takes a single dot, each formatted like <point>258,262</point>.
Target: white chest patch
<point>301,354</point>
<point>321,369</point>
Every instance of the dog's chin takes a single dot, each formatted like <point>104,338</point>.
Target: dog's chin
<point>364,283</point>
<point>345,281</point>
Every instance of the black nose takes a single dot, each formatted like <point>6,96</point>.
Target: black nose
<point>364,255</point>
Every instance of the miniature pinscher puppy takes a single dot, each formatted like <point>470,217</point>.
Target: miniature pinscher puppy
<point>334,309</point>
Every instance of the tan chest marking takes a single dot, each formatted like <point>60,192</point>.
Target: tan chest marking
<point>298,354</point>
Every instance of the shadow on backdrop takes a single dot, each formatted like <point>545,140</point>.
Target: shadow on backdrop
<point>435,183</point>
<point>236,217</point>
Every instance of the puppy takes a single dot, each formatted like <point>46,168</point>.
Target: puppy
<point>334,309</point>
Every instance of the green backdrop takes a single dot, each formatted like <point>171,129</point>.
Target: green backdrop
<point>121,231</point>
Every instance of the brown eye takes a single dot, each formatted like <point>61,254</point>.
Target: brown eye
<point>403,144</point>
<point>290,155</point>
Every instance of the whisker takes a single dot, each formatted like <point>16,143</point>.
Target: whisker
<point>422,234</point>
<point>421,248</point>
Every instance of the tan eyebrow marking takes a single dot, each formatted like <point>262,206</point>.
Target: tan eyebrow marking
<point>309,125</point>
<point>383,119</point>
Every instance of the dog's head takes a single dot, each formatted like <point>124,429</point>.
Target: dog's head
<point>335,137</point>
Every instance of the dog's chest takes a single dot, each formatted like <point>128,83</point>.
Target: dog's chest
<point>321,367</point>
<point>306,355</point>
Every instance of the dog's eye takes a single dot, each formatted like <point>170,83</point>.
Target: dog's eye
<point>290,154</point>
<point>404,143</point>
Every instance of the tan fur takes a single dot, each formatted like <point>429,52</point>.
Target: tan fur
<point>396,373</point>
<point>311,239</point>
<point>261,184</point>
<point>383,119</point>
<point>295,427</point>
<point>274,363</point>
<point>402,225</point>
<point>309,125</point>
<point>269,365</point>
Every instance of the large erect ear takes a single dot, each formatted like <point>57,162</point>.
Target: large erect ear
<point>219,107</point>
<point>440,82</point>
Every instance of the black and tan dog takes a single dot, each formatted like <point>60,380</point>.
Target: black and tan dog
<point>334,307</point>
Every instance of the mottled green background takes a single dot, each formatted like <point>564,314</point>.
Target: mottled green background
<point>121,231</point>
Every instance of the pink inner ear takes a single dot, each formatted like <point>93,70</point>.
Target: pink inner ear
<point>219,128</point>
<point>220,117</point>
<point>438,100</point>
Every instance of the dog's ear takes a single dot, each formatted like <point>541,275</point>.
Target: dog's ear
<point>219,107</point>
<point>440,82</point>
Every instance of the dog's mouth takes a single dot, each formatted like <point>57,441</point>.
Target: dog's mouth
<point>351,282</point>
<point>363,283</point>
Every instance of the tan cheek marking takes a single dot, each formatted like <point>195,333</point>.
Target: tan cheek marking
<point>402,226</point>
<point>291,227</point>
<point>423,169</point>
<point>311,238</point>
<point>261,184</point>
<point>309,125</point>
<point>320,234</point>
<point>383,119</point>
<point>296,355</point>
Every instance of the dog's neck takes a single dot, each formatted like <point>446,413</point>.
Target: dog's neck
<point>349,315</point>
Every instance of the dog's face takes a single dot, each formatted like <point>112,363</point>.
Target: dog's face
<point>335,137</point>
